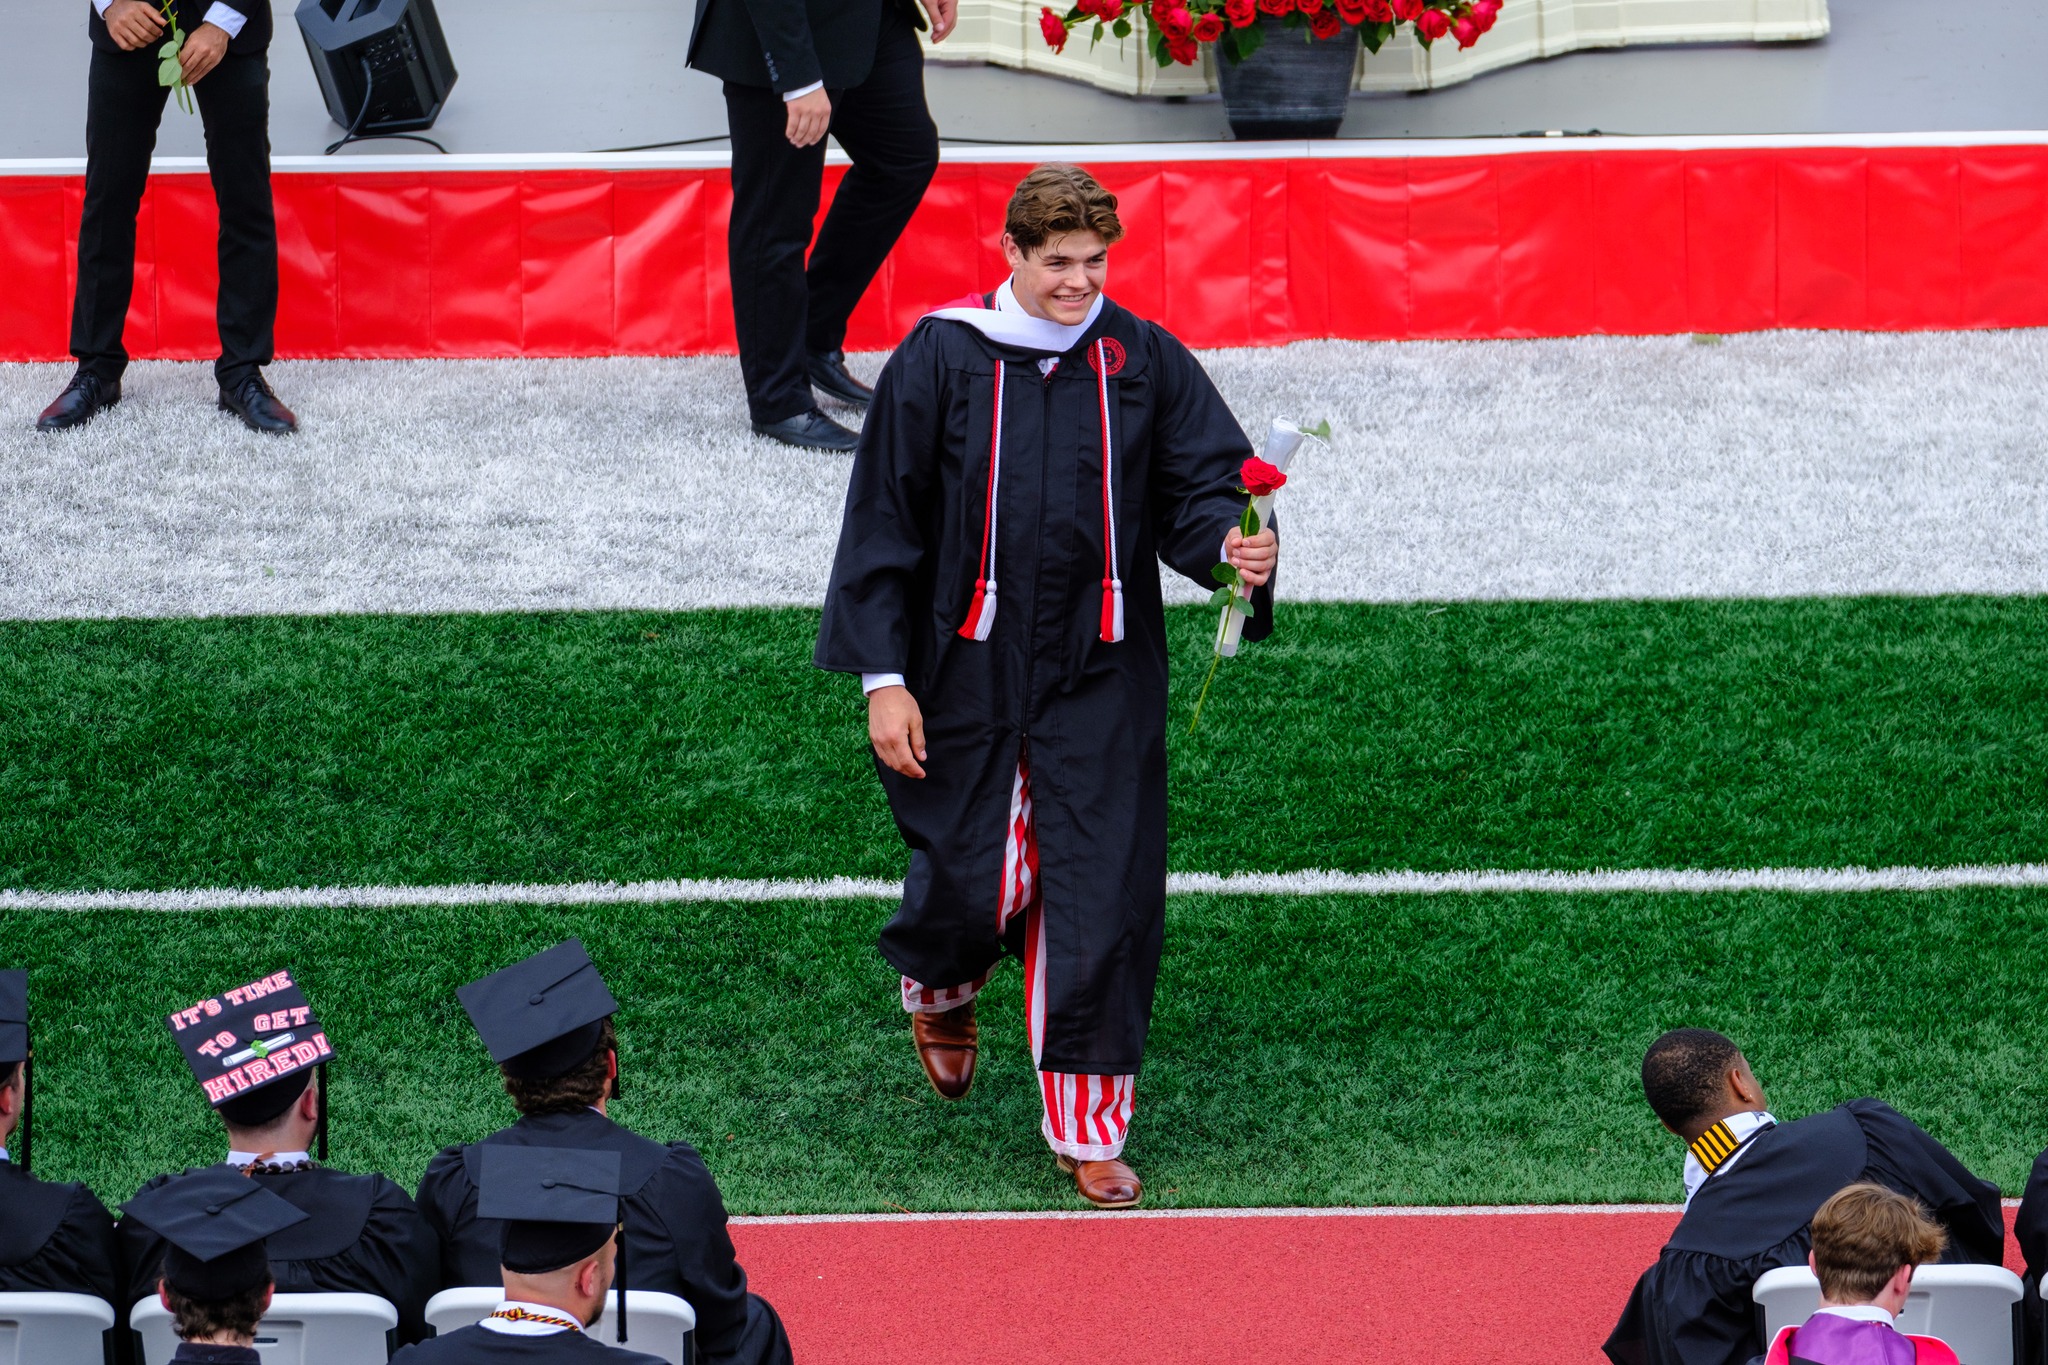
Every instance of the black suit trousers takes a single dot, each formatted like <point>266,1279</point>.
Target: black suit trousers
<point>124,105</point>
<point>780,307</point>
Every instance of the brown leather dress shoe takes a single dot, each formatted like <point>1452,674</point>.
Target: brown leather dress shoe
<point>947,1044</point>
<point>1105,1184</point>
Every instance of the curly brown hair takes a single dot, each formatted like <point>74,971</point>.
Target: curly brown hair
<point>235,1316</point>
<point>580,1087</point>
<point>1056,199</point>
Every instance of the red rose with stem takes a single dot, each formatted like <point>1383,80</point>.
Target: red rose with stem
<point>1258,479</point>
<point>1408,10</point>
<point>1054,28</point>
<point>1208,28</point>
<point>1173,21</point>
<point>1240,13</point>
<point>1276,8</point>
<point>1433,24</point>
<point>1466,30</point>
<point>1183,51</point>
<point>1324,24</point>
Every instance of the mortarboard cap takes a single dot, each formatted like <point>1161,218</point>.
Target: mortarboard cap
<point>13,1017</point>
<point>253,1048</point>
<point>543,1016</point>
<point>559,1204</point>
<point>216,1221</point>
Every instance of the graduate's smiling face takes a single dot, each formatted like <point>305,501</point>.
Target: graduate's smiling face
<point>1060,279</point>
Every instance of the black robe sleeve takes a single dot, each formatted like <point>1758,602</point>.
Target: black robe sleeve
<point>2030,1230</point>
<point>447,1200</point>
<point>1905,1158</point>
<point>1198,451</point>
<point>142,1258</point>
<point>704,1259</point>
<point>882,539</point>
<point>1695,1308</point>
<point>396,1257</point>
<point>80,1255</point>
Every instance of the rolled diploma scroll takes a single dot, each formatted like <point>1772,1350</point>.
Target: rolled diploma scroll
<point>1282,440</point>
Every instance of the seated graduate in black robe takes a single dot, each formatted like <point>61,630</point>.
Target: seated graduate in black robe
<point>261,1060</point>
<point>547,1022</point>
<point>215,1278</point>
<point>2030,1230</point>
<point>1753,1185</point>
<point>1028,460</point>
<point>54,1237</point>
<point>556,1211</point>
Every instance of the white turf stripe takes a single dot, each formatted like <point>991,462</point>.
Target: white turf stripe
<point>1063,1215</point>
<point>1684,880</point>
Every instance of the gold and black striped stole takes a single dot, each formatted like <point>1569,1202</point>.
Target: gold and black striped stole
<point>1714,1146</point>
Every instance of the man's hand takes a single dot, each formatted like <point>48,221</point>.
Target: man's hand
<point>203,49</point>
<point>133,24</point>
<point>809,117</point>
<point>896,729</point>
<point>944,14</point>
<point>1253,559</point>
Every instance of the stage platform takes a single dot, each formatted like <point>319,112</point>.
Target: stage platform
<point>602,74</point>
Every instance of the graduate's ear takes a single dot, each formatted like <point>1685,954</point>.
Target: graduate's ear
<point>1012,253</point>
<point>1743,1086</point>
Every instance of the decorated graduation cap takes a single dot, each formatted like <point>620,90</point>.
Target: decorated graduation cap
<point>215,1221</point>
<point>559,1205</point>
<point>254,1049</point>
<point>14,1047</point>
<point>544,1016</point>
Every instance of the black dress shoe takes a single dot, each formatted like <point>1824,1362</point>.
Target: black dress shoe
<point>85,395</point>
<point>812,430</point>
<point>829,375</point>
<point>251,400</point>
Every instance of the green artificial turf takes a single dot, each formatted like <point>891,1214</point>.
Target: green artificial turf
<point>322,750</point>
<point>1305,1051</point>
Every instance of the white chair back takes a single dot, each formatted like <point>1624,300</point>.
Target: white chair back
<point>1967,1306</point>
<point>659,1324</point>
<point>299,1329</point>
<point>52,1329</point>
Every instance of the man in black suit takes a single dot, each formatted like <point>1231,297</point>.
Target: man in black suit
<point>795,70</point>
<point>225,61</point>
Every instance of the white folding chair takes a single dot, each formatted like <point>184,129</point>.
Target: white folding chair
<point>299,1329</point>
<point>659,1324</point>
<point>1967,1306</point>
<point>52,1329</point>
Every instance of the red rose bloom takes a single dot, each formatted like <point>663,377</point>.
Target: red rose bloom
<point>1054,29</point>
<point>1325,24</point>
<point>1308,6</point>
<point>1260,478</point>
<point>1109,10</point>
<point>1241,13</point>
<point>1465,30</point>
<point>1208,28</point>
<point>1433,24</point>
<point>1352,11</point>
<point>1484,13</point>
<point>1183,51</point>
<point>1174,22</point>
<point>1379,12</point>
<point>1408,10</point>
<point>1276,7</point>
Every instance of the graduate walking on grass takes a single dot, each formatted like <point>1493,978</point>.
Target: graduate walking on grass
<point>1030,457</point>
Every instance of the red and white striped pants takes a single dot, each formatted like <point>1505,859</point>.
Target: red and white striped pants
<point>1086,1117</point>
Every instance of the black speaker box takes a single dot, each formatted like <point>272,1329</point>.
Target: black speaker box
<point>388,51</point>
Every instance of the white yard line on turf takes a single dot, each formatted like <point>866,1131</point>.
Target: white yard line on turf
<point>1683,880</point>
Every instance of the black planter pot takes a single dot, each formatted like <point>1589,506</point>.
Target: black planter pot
<point>1291,87</point>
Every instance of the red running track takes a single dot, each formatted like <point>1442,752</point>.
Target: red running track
<point>1540,1287</point>
<point>1230,250</point>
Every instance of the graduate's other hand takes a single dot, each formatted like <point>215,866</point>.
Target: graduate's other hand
<point>896,729</point>
<point>202,51</point>
<point>944,14</point>
<point>810,116</point>
<point>133,24</point>
<point>1253,558</point>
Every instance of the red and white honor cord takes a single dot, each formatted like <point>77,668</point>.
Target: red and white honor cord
<point>981,612</point>
<point>1112,582</point>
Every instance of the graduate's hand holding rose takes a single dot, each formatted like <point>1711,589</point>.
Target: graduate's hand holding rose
<point>1252,556</point>
<point>133,24</point>
<point>896,729</point>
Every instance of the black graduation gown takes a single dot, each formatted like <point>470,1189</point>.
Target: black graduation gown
<point>55,1238</point>
<point>364,1235</point>
<point>1092,712</point>
<point>676,1240</point>
<point>1693,1307</point>
<point>481,1346</point>
<point>2030,1230</point>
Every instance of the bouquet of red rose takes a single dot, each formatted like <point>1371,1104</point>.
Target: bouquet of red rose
<point>1177,29</point>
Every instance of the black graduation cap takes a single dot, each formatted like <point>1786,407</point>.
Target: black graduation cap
<point>14,1047</point>
<point>253,1050</point>
<point>216,1221</point>
<point>542,1017</point>
<point>560,1204</point>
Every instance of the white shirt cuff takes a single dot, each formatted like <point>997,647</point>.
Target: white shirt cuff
<point>870,681</point>
<point>101,6</point>
<point>224,18</point>
<point>789,95</point>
